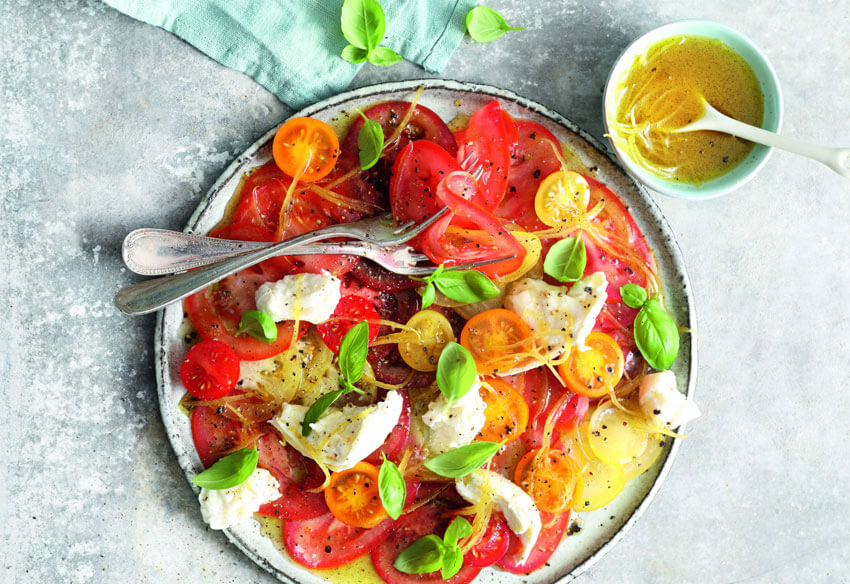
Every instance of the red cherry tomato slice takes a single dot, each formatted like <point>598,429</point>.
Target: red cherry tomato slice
<point>417,171</point>
<point>533,162</point>
<point>327,542</point>
<point>296,475</point>
<point>350,311</point>
<point>492,136</point>
<point>210,370</point>
<point>554,525</point>
<point>213,434</point>
<point>419,523</point>
<point>217,310</point>
<point>492,546</point>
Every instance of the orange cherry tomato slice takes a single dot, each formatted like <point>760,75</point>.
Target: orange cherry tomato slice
<point>305,142</point>
<point>551,478</point>
<point>506,412</point>
<point>353,496</point>
<point>596,370</point>
<point>498,340</point>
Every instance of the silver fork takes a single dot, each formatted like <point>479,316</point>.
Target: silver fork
<point>154,294</point>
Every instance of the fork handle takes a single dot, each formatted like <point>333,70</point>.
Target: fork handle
<point>155,252</point>
<point>151,295</point>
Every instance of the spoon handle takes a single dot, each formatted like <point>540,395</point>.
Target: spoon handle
<point>835,158</point>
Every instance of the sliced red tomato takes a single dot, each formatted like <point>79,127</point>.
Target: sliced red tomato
<point>243,232</point>
<point>379,278</point>
<point>535,390</point>
<point>327,542</point>
<point>417,171</point>
<point>210,370</point>
<point>490,239</point>
<point>492,137</point>
<point>554,391</point>
<point>573,413</point>
<point>396,439</point>
<point>554,525</point>
<point>534,161</point>
<point>216,311</point>
<point>492,546</point>
<point>214,434</point>
<point>424,124</point>
<point>296,475</point>
<point>419,523</point>
<point>350,311</point>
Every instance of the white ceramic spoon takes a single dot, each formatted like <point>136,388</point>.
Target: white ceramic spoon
<point>835,158</point>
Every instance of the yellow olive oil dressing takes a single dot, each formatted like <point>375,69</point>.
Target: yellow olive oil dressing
<point>664,90</point>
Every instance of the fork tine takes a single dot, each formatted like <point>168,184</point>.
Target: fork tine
<point>481,263</point>
<point>403,226</point>
<point>411,233</point>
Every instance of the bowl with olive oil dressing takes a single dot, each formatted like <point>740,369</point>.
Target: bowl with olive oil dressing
<point>661,84</point>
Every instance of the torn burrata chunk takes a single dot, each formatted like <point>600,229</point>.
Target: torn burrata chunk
<point>661,402</point>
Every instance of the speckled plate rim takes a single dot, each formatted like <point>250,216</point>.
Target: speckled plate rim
<point>638,199</point>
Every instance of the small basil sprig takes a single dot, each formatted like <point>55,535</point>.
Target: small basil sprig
<point>370,141</point>
<point>455,371</point>
<point>352,360</point>
<point>229,471</point>
<point>259,325</point>
<point>430,553</point>
<point>485,25</point>
<point>462,285</point>
<point>392,488</point>
<point>363,26</point>
<point>566,260</point>
<point>656,333</point>
<point>462,461</point>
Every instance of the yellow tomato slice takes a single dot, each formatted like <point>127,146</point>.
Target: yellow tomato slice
<point>353,496</point>
<point>506,412</point>
<point>643,462</point>
<point>561,197</point>
<point>498,340</point>
<point>596,370</point>
<point>423,351</point>
<point>307,147</point>
<point>614,436</point>
<point>533,249</point>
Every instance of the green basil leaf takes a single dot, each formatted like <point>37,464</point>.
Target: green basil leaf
<point>656,335</point>
<point>466,285</point>
<point>259,325</point>
<point>422,556</point>
<point>455,371</point>
<point>354,54</point>
<point>363,23</point>
<point>457,530</point>
<point>633,295</point>
<point>392,489</point>
<point>370,142</point>
<point>352,352</point>
<point>319,407</point>
<point>384,57</point>
<point>566,260</point>
<point>462,461</point>
<point>428,295</point>
<point>230,471</point>
<point>452,562</point>
<point>486,25</point>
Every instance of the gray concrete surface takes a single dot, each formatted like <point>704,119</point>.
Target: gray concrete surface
<point>107,124</point>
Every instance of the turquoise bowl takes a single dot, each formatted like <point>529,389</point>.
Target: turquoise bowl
<point>771,121</point>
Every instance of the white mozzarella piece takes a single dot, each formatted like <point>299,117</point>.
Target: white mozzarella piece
<point>342,437</point>
<point>662,403</point>
<point>516,505</point>
<point>225,507</point>
<point>455,424</point>
<point>307,297</point>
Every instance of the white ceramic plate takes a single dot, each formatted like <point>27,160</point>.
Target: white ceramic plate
<point>602,528</point>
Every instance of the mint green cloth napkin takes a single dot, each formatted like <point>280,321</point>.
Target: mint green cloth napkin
<point>292,47</point>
